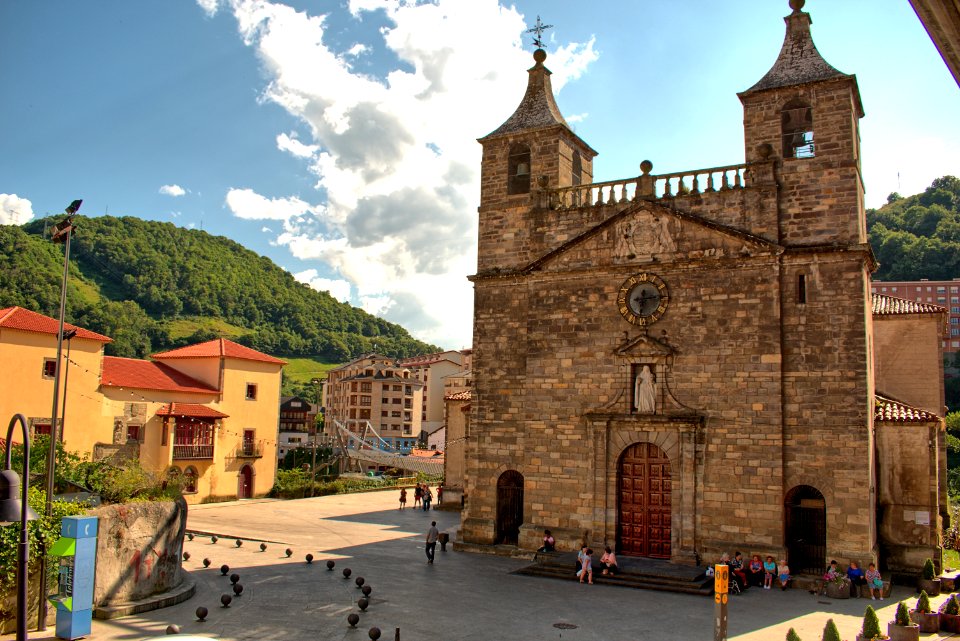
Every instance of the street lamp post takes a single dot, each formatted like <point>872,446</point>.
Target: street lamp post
<point>12,510</point>
<point>67,336</point>
<point>313,439</point>
<point>61,232</point>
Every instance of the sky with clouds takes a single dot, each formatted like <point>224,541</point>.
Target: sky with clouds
<point>339,137</point>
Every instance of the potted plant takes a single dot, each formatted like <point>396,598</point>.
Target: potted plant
<point>923,616</point>
<point>901,629</point>
<point>830,632</point>
<point>929,581</point>
<point>950,614</point>
<point>871,626</point>
<point>792,635</point>
<point>838,587</point>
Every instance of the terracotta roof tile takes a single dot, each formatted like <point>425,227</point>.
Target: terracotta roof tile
<point>139,374</point>
<point>219,347</point>
<point>884,305</point>
<point>194,410</point>
<point>28,321</point>
<point>891,411</point>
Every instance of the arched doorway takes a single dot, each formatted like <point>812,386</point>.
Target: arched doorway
<point>806,530</point>
<point>509,507</point>
<point>245,483</point>
<point>643,481</point>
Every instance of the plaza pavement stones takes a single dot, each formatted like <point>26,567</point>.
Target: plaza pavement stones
<point>461,597</point>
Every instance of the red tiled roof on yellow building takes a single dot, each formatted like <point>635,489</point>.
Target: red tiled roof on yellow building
<point>217,348</point>
<point>139,374</point>
<point>884,305</point>
<point>192,410</point>
<point>891,411</point>
<point>28,321</point>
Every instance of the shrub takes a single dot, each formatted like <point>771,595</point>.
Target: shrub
<point>903,615</point>
<point>46,529</point>
<point>128,483</point>
<point>871,624</point>
<point>923,602</point>
<point>830,632</point>
<point>951,606</point>
<point>792,635</point>
<point>929,571</point>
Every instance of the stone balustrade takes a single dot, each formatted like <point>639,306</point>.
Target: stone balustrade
<point>646,186</point>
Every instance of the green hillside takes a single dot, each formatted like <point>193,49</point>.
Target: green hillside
<point>918,236</point>
<point>153,286</point>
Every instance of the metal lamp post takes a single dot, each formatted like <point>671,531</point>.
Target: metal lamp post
<point>67,336</point>
<point>313,440</point>
<point>61,232</point>
<point>13,509</point>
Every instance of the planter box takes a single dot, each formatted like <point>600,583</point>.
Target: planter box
<point>928,621</point>
<point>837,590</point>
<point>950,622</point>
<point>932,586</point>
<point>903,632</point>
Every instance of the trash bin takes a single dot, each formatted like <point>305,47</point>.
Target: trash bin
<point>444,539</point>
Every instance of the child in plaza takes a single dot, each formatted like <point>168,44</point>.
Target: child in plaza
<point>586,564</point>
<point>403,497</point>
<point>874,582</point>
<point>783,573</point>
<point>769,569</point>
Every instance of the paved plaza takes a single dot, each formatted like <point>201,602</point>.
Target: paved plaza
<point>461,596</point>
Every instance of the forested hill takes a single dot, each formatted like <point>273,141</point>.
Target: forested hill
<point>152,286</point>
<point>918,236</point>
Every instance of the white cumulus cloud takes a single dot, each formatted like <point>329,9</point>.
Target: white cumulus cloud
<point>172,190</point>
<point>15,210</point>
<point>338,288</point>
<point>394,152</point>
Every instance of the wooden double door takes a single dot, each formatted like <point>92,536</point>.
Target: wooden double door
<point>644,484</point>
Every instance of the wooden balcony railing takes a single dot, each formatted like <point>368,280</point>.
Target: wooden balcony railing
<point>249,450</point>
<point>192,451</point>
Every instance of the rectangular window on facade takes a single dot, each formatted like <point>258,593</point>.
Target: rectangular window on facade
<point>364,400</point>
<point>893,289</point>
<point>134,433</point>
<point>295,403</point>
<point>49,367</point>
<point>955,321</point>
<point>955,331</point>
<point>251,394</point>
<point>41,428</point>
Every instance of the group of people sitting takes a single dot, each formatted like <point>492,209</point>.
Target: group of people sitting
<point>853,578</point>
<point>755,573</point>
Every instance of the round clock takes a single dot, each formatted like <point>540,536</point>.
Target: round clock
<point>643,298</point>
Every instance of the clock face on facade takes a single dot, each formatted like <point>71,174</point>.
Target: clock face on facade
<point>643,298</point>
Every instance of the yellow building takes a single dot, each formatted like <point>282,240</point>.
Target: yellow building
<point>207,411</point>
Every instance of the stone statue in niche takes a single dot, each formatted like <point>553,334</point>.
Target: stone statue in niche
<point>645,391</point>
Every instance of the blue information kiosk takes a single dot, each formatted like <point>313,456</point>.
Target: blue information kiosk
<point>77,549</point>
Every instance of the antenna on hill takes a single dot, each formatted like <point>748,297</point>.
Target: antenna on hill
<point>14,216</point>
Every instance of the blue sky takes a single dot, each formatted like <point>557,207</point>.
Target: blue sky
<point>339,138</point>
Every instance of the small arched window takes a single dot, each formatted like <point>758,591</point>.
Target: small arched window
<point>577,169</point>
<point>797,129</point>
<point>518,170</point>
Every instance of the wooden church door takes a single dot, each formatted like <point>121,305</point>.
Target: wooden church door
<point>509,507</point>
<point>643,479</point>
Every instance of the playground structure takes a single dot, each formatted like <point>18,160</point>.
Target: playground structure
<point>353,450</point>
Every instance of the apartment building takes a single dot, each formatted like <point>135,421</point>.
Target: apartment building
<point>945,293</point>
<point>432,370</point>
<point>297,419</point>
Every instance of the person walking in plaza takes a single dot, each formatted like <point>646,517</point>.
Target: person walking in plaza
<point>403,497</point>
<point>417,496</point>
<point>433,534</point>
<point>440,494</point>
<point>427,498</point>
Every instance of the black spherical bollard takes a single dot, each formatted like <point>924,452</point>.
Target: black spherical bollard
<point>173,629</point>
<point>359,581</point>
<point>353,619</point>
<point>363,602</point>
<point>186,556</point>
<point>213,539</point>
<point>239,542</point>
<point>263,547</point>
<point>366,589</point>
<point>330,565</point>
<point>346,573</point>
<point>190,535</point>
<point>234,578</point>
<point>201,613</point>
<point>309,559</point>
<point>224,569</point>
<point>237,589</point>
<point>206,563</point>
<point>374,634</point>
<point>289,552</point>
<point>225,600</point>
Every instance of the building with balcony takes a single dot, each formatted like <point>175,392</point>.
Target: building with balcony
<point>432,370</point>
<point>206,412</point>
<point>378,392</point>
<point>297,423</point>
<point>944,293</point>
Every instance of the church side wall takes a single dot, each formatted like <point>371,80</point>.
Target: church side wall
<point>905,347</point>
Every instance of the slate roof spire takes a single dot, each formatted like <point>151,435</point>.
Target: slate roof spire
<point>537,109</point>
<point>799,61</point>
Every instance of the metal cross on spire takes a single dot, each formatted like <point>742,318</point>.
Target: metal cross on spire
<point>538,29</point>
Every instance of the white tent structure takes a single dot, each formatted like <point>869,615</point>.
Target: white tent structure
<point>369,446</point>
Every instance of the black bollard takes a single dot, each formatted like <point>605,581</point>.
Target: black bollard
<point>225,600</point>
<point>224,569</point>
<point>353,619</point>
<point>359,581</point>
<point>234,578</point>
<point>346,573</point>
<point>263,547</point>
<point>173,629</point>
<point>374,634</point>
<point>186,556</point>
<point>309,559</point>
<point>201,613</point>
<point>239,542</point>
<point>363,602</point>
<point>237,589</point>
<point>206,563</point>
<point>330,565</point>
<point>366,589</point>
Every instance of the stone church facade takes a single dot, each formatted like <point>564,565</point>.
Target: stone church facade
<point>679,365</point>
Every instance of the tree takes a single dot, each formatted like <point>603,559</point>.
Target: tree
<point>830,632</point>
<point>871,624</point>
<point>792,635</point>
